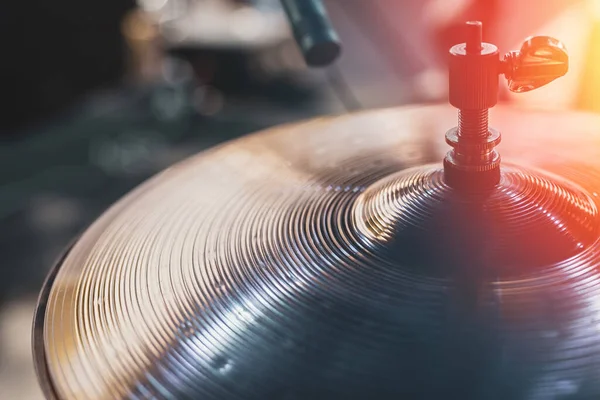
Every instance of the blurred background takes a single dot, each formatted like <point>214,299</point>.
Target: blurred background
<point>100,95</point>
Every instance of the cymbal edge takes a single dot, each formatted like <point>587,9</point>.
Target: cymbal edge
<point>39,318</point>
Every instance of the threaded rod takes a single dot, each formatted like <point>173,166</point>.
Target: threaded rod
<point>473,124</point>
<point>474,37</point>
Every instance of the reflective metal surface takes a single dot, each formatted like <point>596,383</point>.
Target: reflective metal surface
<point>323,260</point>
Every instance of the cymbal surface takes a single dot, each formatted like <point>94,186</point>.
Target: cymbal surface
<point>317,259</point>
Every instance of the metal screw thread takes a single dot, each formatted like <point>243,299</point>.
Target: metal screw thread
<point>473,124</point>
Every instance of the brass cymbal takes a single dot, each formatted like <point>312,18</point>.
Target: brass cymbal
<point>309,260</point>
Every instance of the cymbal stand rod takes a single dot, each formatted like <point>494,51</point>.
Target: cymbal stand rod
<point>474,70</point>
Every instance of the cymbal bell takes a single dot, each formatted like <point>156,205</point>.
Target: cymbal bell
<point>329,259</point>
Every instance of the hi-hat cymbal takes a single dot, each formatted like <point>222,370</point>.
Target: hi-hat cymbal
<point>316,260</point>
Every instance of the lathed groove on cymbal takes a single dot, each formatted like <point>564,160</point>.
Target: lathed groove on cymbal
<point>319,259</point>
<point>529,214</point>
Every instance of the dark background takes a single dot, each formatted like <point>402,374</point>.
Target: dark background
<point>100,95</point>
